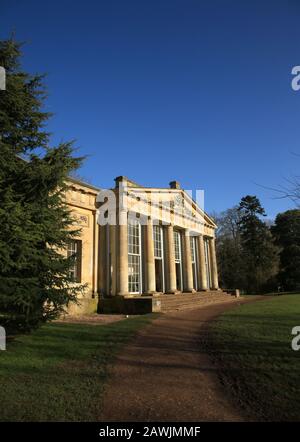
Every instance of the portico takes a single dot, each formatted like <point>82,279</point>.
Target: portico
<point>164,251</point>
<point>173,271</point>
<point>150,242</point>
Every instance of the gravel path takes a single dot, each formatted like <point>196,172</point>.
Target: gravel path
<point>94,319</point>
<point>165,374</point>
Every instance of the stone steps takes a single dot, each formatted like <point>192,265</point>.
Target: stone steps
<point>193,300</point>
<point>163,303</point>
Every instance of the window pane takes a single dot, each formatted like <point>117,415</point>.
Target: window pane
<point>157,237</point>
<point>133,273</point>
<point>74,250</point>
<point>177,246</point>
<point>134,270</point>
<point>134,238</point>
<point>193,251</point>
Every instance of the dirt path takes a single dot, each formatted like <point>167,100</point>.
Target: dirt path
<point>94,319</point>
<point>166,375</point>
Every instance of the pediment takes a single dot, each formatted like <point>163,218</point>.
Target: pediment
<point>173,205</point>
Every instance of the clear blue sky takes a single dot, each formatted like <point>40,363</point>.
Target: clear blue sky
<point>193,90</point>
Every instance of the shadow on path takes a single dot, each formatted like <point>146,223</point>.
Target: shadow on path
<point>165,373</point>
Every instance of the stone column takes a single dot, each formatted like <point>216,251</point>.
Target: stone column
<point>95,254</point>
<point>150,262</point>
<point>170,261</point>
<point>113,280</point>
<point>187,265</point>
<point>213,264</point>
<point>123,254</point>
<point>201,264</point>
<point>103,288</point>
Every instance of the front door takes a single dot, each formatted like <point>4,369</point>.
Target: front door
<point>178,276</point>
<point>159,283</point>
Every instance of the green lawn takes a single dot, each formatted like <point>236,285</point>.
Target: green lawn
<point>58,372</point>
<point>252,345</point>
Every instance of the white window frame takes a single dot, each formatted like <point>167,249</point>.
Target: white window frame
<point>161,258</point>
<point>139,255</point>
<point>74,248</point>
<point>178,261</point>
<point>194,259</point>
<point>207,262</point>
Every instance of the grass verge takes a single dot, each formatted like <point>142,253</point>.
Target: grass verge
<point>252,347</point>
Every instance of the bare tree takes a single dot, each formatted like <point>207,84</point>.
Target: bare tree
<point>289,190</point>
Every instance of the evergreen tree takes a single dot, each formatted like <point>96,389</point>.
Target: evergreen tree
<point>287,234</point>
<point>259,254</point>
<point>228,246</point>
<point>36,226</point>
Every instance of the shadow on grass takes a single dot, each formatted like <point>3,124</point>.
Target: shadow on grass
<point>59,372</point>
<point>252,348</point>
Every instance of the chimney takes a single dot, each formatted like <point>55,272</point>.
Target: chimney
<point>120,179</point>
<point>174,185</point>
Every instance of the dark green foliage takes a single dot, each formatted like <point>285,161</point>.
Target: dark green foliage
<point>229,249</point>
<point>35,224</point>
<point>259,254</point>
<point>229,263</point>
<point>21,117</point>
<point>287,234</point>
<point>247,256</point>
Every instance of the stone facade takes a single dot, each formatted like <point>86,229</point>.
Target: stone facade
<point>161,242</point>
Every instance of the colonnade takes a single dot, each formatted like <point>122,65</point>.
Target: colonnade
<point>205,281</point>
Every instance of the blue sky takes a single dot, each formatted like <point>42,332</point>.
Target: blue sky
<point>193,90</point>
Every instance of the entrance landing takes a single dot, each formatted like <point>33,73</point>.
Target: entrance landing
<point>163,302</point>
<point>182,301</point>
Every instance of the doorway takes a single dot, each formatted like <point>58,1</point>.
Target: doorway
<point>178,276</point>
<point>159,280</point>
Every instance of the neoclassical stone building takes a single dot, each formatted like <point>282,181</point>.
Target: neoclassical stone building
<point>138,243</point>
